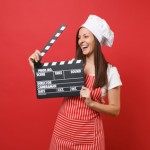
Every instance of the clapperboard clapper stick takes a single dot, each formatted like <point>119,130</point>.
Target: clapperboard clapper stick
<point>58,79</point>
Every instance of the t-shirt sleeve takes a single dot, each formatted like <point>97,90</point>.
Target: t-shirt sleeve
<point>113,77</point>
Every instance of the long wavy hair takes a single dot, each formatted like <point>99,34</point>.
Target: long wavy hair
<point>100,62</point>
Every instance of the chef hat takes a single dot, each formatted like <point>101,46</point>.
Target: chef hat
<point>100,29</point>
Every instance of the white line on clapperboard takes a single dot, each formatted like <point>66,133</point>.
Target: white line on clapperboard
<point>58,92</point>
<point>61,80</point>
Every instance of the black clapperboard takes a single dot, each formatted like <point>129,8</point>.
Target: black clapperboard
<point>58,79</point>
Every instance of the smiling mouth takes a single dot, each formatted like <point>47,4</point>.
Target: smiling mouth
<point>84,47</point>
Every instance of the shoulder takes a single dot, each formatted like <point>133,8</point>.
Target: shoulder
<point>111,70</point>
<point>113,77</point>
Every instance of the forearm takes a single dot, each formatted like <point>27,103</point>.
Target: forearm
<point>33,72</point>
<point>113,106</point>
<point>105,108</point>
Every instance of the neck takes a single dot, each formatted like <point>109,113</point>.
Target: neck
<point>90,60</point>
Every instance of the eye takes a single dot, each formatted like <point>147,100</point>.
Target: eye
<point>86,36</point>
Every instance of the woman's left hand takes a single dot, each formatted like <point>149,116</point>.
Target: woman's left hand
<point>86,94</point>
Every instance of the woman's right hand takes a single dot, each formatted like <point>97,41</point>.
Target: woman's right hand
<point>34,57</point>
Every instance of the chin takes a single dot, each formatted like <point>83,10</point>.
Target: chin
<point>85,53</point>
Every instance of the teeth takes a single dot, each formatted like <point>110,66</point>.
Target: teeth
<point>84,47</point>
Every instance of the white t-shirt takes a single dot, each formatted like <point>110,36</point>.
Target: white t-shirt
<point>113,77</point>
<point>113,81</point>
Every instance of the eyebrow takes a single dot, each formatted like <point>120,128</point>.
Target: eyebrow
<point>83,34</point>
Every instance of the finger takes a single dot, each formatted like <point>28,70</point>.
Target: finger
<point>81,93</point>
<point>36,55</point>
<point>84,88</point>
<point>38,52</point>
<point>31,58</point>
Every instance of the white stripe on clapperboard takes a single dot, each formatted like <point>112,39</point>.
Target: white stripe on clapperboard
<point>61,63</point>
<point>47,47</point>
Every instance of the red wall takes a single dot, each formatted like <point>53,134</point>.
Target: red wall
<point>26,123</point>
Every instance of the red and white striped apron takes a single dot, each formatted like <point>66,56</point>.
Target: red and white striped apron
<point>78,127</point>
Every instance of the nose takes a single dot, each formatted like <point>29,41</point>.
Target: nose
<point>80,41</point>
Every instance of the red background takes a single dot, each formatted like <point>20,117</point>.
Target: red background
<point>26,123</point>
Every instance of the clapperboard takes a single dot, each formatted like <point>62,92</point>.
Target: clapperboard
<point>58,79</point>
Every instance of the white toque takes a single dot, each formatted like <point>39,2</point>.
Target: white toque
<point>100,29</point>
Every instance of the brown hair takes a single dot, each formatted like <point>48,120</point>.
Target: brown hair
<point>99,61</point>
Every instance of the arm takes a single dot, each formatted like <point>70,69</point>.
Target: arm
<point>113,106</point>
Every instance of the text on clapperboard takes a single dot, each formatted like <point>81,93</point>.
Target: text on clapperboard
<point>56,78</point>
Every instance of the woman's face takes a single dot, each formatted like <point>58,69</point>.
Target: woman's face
<point>86,41</point>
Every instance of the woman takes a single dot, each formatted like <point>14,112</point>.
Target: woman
<point>79,125</point>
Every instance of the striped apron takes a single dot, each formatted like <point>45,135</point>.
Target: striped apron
<point>78,127</point>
